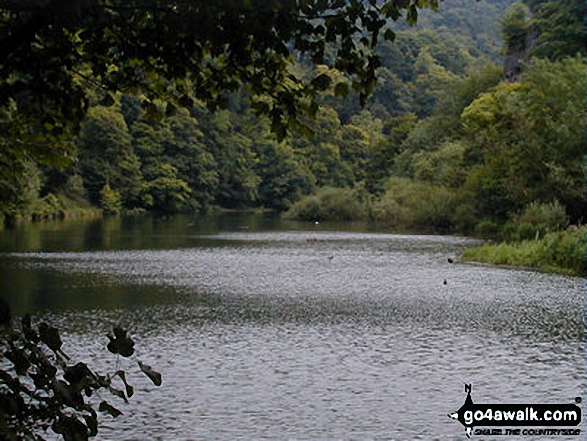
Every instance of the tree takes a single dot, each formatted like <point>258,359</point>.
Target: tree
<point>560,25</point>
<point>383,153</point>
<point>515,28</point>
<point>526,140</point>
<point>58,58</point>
<point>184,50</point>
<point>163,190</point>
<point>107,157</point>
<point>186,150</point>
<point>283,179</point>
<point>321,153</point>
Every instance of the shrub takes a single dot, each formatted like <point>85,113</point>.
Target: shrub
<point>486,229</point>
<point>538,219</point>
<point>412,203</point>
<point>566,249</point>
<point>329,204</point>
<point>74,189</point>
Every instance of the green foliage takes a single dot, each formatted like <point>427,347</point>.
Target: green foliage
<point>537,219</point>
<point>560,25</point>
<point>471,148</point>
<point>283,179</point>
<point>527,140</point>
<point>184,51</point>
<point>24,196</point>
<point>487,229</point>
<point>563,252</point>
<point>383,153</point>
<point>323,152</point>
<point>415,204</point>
<point>110,200</point>
<point>42,390</point>
<point>147,61</point>
<point>74,189</point>
<point>471,24</point>
<point>165,193</point>
<point>106,156</point>
<point>515,27</point>
<point>444,166</point>
<point>235,160</point>
<point>185,149</point>
<point>329,204</point>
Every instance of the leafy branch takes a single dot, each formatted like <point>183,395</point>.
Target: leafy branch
<point>41,388</point>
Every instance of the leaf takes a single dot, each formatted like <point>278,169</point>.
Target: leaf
<point>151,111</point>
<point>129,389</point>
<point>391,10</point>
<point>412,16</point>
<point>170,110</point>
<point>92,424</point>
<point>120,343</point>
<point>70,427</point>
<point>118,393</point>
<point>27,329</point>
<point>110,410</point>
<point>19,359</point>
<point>302,128</point>
<point>154,376</point>
<point>185,101</point>
<point>79,376</point>
<point>389,35</point>
<point>50,336</point>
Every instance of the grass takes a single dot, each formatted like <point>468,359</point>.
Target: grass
<point>561,252</point>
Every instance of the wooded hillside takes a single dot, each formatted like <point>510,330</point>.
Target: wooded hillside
<point>443,140</point>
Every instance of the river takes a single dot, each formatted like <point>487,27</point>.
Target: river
<point>266,329</point>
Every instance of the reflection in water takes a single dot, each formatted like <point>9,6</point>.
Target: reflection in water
<point>303,334</point>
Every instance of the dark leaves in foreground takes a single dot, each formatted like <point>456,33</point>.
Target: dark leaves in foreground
<point>41,391</point>
<point>120,343</point>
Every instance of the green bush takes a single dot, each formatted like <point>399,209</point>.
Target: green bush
<point>342,204</point>
<point>486,229</point>
<point>538,219</point>
<point>566,249</point>
<point>413,203</point>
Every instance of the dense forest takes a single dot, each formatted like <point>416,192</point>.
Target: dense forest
<point>476,124</point>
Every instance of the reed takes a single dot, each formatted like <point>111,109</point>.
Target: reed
<point>562,252</point>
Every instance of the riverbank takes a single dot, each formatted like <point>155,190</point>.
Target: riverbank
<point>562,252</point>
<point>50,207</point>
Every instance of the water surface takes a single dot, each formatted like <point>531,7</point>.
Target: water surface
<point>273,330</point>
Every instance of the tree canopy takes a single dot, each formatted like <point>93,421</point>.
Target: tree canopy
<point>52,50</point>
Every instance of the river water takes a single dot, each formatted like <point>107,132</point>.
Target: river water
<point>264,329</point>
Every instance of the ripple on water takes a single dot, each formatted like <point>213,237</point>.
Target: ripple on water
<point>349,336</point>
